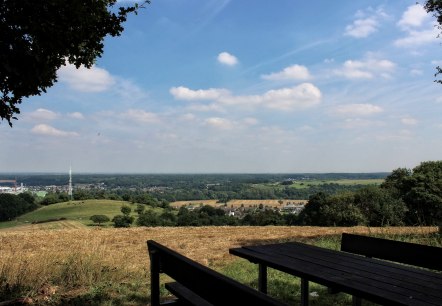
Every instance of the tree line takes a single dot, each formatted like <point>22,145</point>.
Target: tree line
<point>12,206</point>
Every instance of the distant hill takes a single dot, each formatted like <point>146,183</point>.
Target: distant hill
<point>76,211</point>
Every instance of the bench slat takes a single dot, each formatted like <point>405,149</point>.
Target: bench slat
<point>186,296</point>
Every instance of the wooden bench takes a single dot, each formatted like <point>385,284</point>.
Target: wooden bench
<point>197,284</point>
<point>403,252</point>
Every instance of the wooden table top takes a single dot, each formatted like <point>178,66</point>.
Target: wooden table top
<point>371,279</point>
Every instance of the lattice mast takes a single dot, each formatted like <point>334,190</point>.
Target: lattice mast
<point>70,184</point>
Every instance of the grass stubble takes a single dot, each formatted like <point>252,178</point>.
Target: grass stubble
<point>107,266</point>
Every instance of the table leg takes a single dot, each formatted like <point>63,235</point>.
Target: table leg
<point>262,278</point>
<point>304,292</point>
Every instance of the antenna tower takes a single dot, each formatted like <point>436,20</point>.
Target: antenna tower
<point>70,184</point>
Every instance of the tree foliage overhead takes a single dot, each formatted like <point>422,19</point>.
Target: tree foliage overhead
<point>435,7</point>
<point>38,37</point>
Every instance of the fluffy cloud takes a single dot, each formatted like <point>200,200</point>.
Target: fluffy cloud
<point>295,72</point>
<point>365,69</point>
<point>357,109</point>
<point>83,79</point>
<point>44,129</point>
<point>417,38</point>
<point>227,59</point>
<point>362,28</point>
<point>227,124</point>
<point>416,22</point>
<point>367,23</point>
<point>184,93</point>
<point>219,123</point>
<point>43,114</point>
<point>414,16</point>
<point>298,97</point>
<point>141,116</point>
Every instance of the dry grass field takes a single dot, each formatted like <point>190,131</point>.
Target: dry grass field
<point>238,203</point>
<point>178,204</point>
<point>65,263</point>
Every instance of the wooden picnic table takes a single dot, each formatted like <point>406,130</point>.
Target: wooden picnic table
<point>376,280</point>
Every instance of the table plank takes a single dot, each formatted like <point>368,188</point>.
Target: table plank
<point>398,275</point>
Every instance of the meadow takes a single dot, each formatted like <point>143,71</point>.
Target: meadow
<point>79,211</point>
<point>54,265</point>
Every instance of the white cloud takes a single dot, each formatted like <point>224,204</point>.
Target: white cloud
<point>414,16</point>
<point>295,72</point>
<point>212,107</point>
<point>83,79</point>
<point>367,23</point>
<point>365,69</point>
<point>44,129</point>
<point>417,38</point>
<point>362,28</point>
<point>416,22</point>
<point>184,93</point>
<point>43,114</point>
<point>298,97</point>
<point>219,123</point>
<point>409,121</point>
<point>76,115</point>
<point>141,116</point>
<point>357,109</point>
<point>227,124</point>
<point>227,59</point>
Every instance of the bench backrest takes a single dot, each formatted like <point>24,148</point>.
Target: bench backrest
<point>212,286</point>
<point>404,252</point>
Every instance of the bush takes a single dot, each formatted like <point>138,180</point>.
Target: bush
<point>122,221</point>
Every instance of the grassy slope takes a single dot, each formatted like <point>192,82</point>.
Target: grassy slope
<point>76,210</point>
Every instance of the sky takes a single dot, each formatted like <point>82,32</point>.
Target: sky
<point>242,86</point>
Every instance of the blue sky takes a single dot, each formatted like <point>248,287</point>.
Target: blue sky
<point>201,86</point>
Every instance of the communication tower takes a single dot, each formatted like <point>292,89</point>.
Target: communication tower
<point>70,184</point>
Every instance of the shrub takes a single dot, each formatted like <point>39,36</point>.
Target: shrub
<point>122,220</point>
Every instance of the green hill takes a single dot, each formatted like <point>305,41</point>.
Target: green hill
<point>75,210</point>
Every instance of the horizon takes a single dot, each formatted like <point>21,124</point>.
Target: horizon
<point>219,86</point>
<point>188,173</point>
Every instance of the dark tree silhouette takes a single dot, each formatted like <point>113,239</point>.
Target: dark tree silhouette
<point>38,37</point>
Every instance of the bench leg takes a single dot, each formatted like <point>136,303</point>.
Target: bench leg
<point>154,279</point>
<point>262,278</point>
<point>304,292</point>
